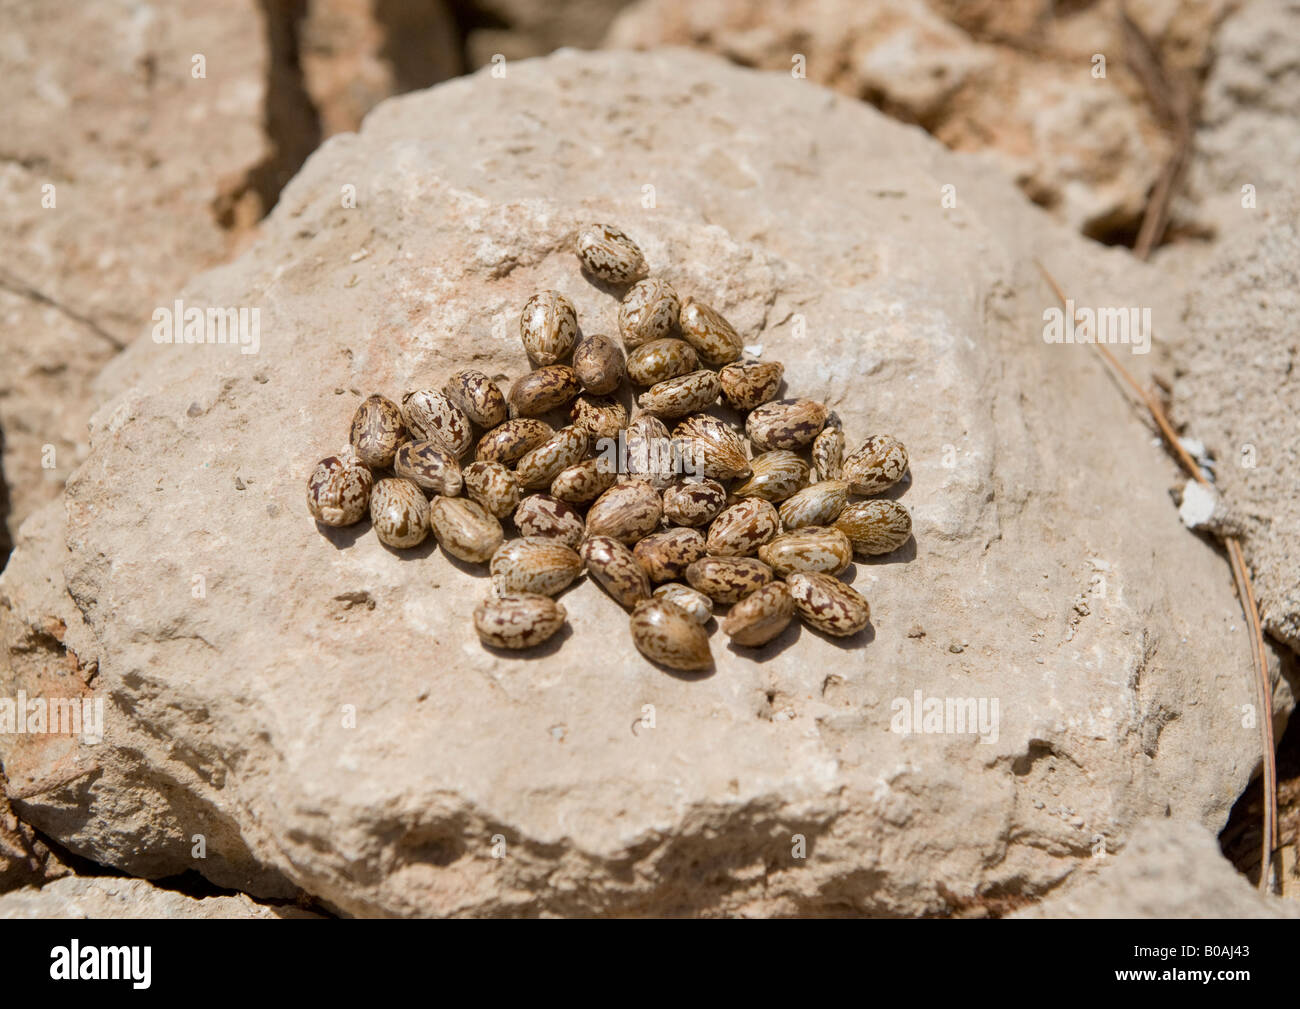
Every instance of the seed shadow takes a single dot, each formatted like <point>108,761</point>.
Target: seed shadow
<point>688,675</point>
<point>422,550</point>
<point>771,649</point>
<point>896,491</point>
<point>548,647</point>
<point>344,537</point>
<point>478,569</point>
<point>850,643</point>
<point>904,554</point>
<point>614,290</point>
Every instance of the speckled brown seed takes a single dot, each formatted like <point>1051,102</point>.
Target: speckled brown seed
<point>760,616</point>
<point>741,529</point>
<point>665,633</point>
<point>723,452</point>
<point>539,467</point>
<point>493,486</point>
<point>666,555</point>
<point>694,502</point>
<point>648,451</point>
<point>828,452</point>
<point>430,465</point>
<point>679,396</point>
<point>712,336</point>
<point>817,505</point>
<point>399,512</point>
<point>660,360</point>
<point>812,548</point>
<point>534,564</point>
<point>785,423</point>
<point>599,416</point>
<point>616,569</point>
<point>584,481</point>
<point>876,466</point>
<point>693,601</point>
<point>746,385</point>
<point>827,604</point>
<point>377,430</point>
<point>510,441</point>
<point>520,620</point>
<point>610,254</point>
<point>649,312</point>
<point>338,490</point>
<point>543,390</point>
<point>431,416</point>
<point>598,364</point>
<point>465,529</point>
<point>545,516</point>
<point>548,326</point>
<point>728,579</point>
<point>478,397</point>
<point>776,476</point>
<point>627,512</point>
<point>875,527</point>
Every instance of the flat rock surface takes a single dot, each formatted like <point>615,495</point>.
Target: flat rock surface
<point>115,897</point>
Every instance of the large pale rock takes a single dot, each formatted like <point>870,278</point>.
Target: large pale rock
<point>76,897</point>
<point>319,709</point>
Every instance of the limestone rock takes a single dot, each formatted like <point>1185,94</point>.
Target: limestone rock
<point>115,897</point>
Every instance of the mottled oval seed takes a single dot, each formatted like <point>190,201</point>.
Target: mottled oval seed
<point>723,452</point>
<point>659,360</point>
<point>338,490</point>
<point>828,452</point>
<point>812,548</point>
<point>616,569</point>
<point>543,390</point>
<point>827,604</point>
<point>584,481</point>
<point>649,451</point>
<point>728,579</point>
<point>750,384</point>
<point>760,616</point>
<point>477,396</point>
<point>785,423</point>
<point>598,364</point>
<point>510,441</point>
<point>399,512</point>
<point>538,467</point>
<point>743,528</point>
<point>493,486</point>
<point>627,512</point>
<point>665,633</point>
<point>431,416</point>
<point>430,465</point>
<point>817,505</point>
<point>534,564</point>
<point>548,327</point>
<point>875,527</point>
<point>713,337</point>
<point>693,601</point>
<point>599,416</point>
<point>876,466</point>
<point>465,529</point>
<point>649,312</point>
<point>520,620</point>
<point>679,396</point>
<point>666,555</point>
<point>776,476</point>
<point>377,430</point>
<point>608,253</point>
<point>694,502</point>
<point>544,516</point>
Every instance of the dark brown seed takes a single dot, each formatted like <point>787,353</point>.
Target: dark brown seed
<point>616,569</point>
<point>666,555</point>
<point>665,633</point>
<point>660,360</point>
<point>598,364</point>
<point>713,337</point>
<point>627,512</point>
<point>510,441</point>
<point>760,616</point>
<point>543,390</point>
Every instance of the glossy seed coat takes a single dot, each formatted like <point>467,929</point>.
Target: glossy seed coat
<point>665,633</point>
<point>775,476</point>
<point>812,548</point>
<point>876,466</point>
<point>648,312</point>
<point>679,396</point>
<point>728,579</point>
<point>534,564</point>
<point>828,453</point>
<point>538,467</point>
<point>627,512</point>
<point>660,360</point>
<point>584,481</point>
<point>465,529</point>
<point>541,515</point>
<point>827,604</point>
<point>760,616</point>
<point>431,416</point>
<point>666,555</point>
<point>377,429</point>
<point>712,336</point>
<point>616,569</point>
<point>741,529</point>
<point>816,505</point>
<point>477,396</point>
<point>746,385</point>
<point>518,620</point>
<point>694,502</point>
<point>543,390</point>
<point>610,254</point>
<point>723,450</point>
<point>429,465</point>
<point>492,485</point>
<point>548,327</point>
<point>875,527</point>
<point>511,441</point>
<point>598,364</point>
<point>599,416</point>
<point>399,513</point>
<point>693,601</point>
<point>338,490</point>
<point>785,424</point>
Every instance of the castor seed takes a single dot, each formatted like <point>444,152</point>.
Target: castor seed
<point>534,564</point>
<point>608,253</point>
<point>728,579</point>
<point>666,555</point>
<point>694,502</point>
<point>693,601</point>
<point>649,312</point>
<point>541,515</point>
<point>616,569</point>
<point>510,441</point>
<point>430,465</point>
<point>477,396</point>
<point>548,327</point>
<point>827,604</point>
<point>659,360</point>
<point>751,383</point>
<point>875,527</point>
<point>465,529</point>
<point>518,620</point>
<point>760,616</point>
<point>722,449</point>
<point>665,633</point>
<point>599,416</point>
<point>538,467</point>
<point>377,430</point>
<point>493,486</point>
<point>876,466</point>
<point>399,512</point>
<point>713,337</point>
<point>775,476</point>
<point>812,548</point>
<point>338,490</point>
<point>828,452</point>
<point>679,396</point>
<point>741,529</point>
<point>816,505</point>
<point>584,481</point>
<point>543,390</point>
<point>785,423</point>
<point>627,512</point>
<point>598,364</point>
<point>431,416</point>
<point>649,451</point>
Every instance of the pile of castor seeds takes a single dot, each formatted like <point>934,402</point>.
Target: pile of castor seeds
<point>675,521</point>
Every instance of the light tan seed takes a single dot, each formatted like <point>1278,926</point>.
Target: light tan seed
<point>584,481</point>
<point>616,569</point>
<point>785,423</point>
<point>666,555</point>
<point>746,385</point>
<point>377,430</point>
<point>649,451</point>
<point>665,633</point>
<point>543,390</point>
<point>827,604</point>
<point>338,490</point>
<point>728,579</point>
<point>713,337</point>
<point>431,416</point>
<point>723,450</point>
<point>876,466</point>
<point>741,529</point>
<point>399,512</point>
<point>760,616</point>
<point>520,620</point>
<point>465,529</point>
<point>598,364</point>
<point>493,486</point>
<point>812,548</point>
<point>875,527</point>
<point>430,465</point>
<point>478,397</point>
<point>694,502</point>
<point>534,564</point>
<point>599,416</point>
<point>817,505</point>
<point>679,396</point>
<point>608,253</point>
<point>660,360</point>
<point>693,601</point>
<point>539,467</point>
<point>649,312</point>
<point>828,453</point>
<point>627,512</point>
<point>512,440</point>
<point>776,476</point>
<point>544,516</point>
<point>548,326</point>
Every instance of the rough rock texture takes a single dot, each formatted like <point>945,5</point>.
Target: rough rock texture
<point>518,29</point>
<point>319,708</point>
<point>24,857</point>
<point>115,897</point>
<point>1168,869</point>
